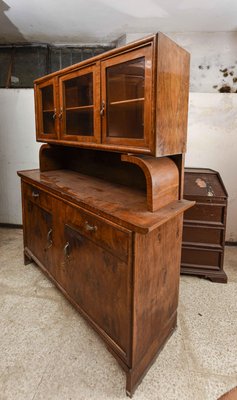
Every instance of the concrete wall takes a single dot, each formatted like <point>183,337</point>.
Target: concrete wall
<point>18,149</point>
<point>212,138</point>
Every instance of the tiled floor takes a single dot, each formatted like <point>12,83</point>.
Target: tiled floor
<point>48,352</point>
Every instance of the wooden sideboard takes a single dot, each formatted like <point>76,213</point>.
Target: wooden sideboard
<point>103,215</point>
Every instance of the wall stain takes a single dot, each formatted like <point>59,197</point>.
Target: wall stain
<point>225,89</point>
<point>226,86</point>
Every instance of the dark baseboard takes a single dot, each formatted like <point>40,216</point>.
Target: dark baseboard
<point>231,243</point>
<point>11,226</point>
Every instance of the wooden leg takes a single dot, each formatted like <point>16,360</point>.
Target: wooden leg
<point>213,276</point>
<point>219,277</point>
<point>135,375</point>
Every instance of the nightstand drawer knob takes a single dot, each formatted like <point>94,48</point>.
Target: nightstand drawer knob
<point>90,228</point>
<point>35,194</point>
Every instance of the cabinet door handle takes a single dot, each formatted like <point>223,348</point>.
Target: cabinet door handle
<point>66,249</point>
<point>102,110</point>
<point>90,228</point>
<point>55,114</point>
<point>61,113</point>
<point>35,194</point>
<point>49,238</point>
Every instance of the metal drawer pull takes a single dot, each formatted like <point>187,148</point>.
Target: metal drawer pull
<point>91,228</point>
<point>35,194</point>
<point>49,238</point>
<point>66,249</point>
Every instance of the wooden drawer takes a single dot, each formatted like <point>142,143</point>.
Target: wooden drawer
<point>206,212</point>
<point>203,235</point>
<point>198,258</point>
<point>37,196</point>
<point>110,236</point>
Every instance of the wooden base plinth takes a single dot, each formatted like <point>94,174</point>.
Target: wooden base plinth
<point>214,276</point>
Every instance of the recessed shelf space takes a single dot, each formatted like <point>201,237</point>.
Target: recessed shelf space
<point>78,91</point>
<point>128,122</point>
<point>80,122</point>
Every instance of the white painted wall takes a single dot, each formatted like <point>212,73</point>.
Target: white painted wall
<point>18,148</point>
<point>212,143</point>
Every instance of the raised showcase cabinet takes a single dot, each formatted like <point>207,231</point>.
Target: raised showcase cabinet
<point>103,215</point>
<point>134,98</point>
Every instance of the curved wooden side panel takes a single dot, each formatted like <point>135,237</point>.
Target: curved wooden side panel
<point>162,179</point>
<point>50,158</point>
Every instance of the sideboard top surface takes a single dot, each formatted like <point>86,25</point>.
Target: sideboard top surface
<point>118,203</point>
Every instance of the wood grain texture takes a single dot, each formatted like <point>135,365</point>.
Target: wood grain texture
<point>156,286</point>
<point>162,179</point>
<point>172,97</point>
<point>123,205</point>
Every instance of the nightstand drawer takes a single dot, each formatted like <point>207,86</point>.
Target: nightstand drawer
<point>37,196</point>
<point>201,258</point>
<point>206,212</point>
<point>203,235</point>
<point>106,234</point>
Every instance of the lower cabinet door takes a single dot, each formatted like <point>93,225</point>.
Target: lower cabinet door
<point>39,232</point>
<point>99,282</point>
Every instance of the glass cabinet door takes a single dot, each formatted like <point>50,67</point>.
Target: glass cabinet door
<point>79,100</point>
<point>46,110</point>
<point>126,98</point>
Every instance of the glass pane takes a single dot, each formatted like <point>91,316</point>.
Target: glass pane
<point>79,91</point>
<point>79,122</point>
<point>47,98</point>
<point>126,80</point>
<point>48,122</point>
<point>125,99</point>
<point>126,120</point>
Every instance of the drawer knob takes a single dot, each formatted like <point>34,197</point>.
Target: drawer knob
<point>35,194</point>
<point>90,228</point>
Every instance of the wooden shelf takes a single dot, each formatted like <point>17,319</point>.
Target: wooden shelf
<point>83,108</point>
<point>126,101</point>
